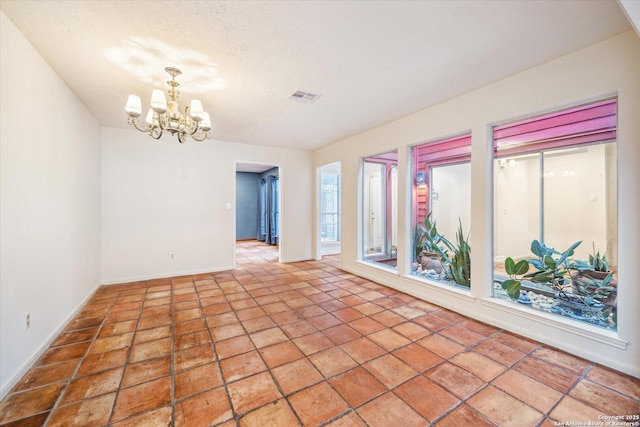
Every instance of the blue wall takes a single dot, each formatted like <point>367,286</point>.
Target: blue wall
<point>246,205</point>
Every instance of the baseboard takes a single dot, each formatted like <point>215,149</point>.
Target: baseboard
<point>166,275</point>
<point>592,343</point>
<point>331,248</point>
<point>45,345</point>
<point>290,260</point>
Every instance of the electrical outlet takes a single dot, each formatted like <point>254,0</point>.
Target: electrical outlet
<point>27,320</point>
<point>172,255</point>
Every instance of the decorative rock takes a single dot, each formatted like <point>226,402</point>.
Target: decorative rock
<point>430,261</point>
<point>524,298</point>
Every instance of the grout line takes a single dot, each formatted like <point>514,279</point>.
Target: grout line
<point>126,360</point>
<point>272,274</point>
<point>172,356</point>
<point>269,370</point>
<point>82,359</point>
<point>215,350</point>
<point>581,377</point>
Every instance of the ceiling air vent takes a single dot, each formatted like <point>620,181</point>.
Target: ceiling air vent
<point>304,97</point>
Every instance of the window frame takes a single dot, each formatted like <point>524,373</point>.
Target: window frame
<point>389,160</point>
<point>425,157</point>
<point>585,125</point>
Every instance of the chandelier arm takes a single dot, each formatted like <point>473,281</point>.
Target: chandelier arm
<point>140,125</point>
<point>189,123</point>
<point>184,120</point>
<point>200,135</point>
<point>192,127</point>
<point>155,132</point>
<point>163,121</point>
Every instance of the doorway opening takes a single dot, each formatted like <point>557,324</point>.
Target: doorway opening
<point>329,209</point>
<point>252,252</point>
<point>257,214</point>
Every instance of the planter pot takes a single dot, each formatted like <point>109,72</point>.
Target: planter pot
<point>430,261</point>
<point>585,278</point>
<point>595,275</point>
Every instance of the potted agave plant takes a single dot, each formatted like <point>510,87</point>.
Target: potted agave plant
<point>553,269</point>
<point>598,282</point>
<point>430,247</point>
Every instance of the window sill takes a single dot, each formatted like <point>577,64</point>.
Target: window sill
<point>441,287</point>
<point>551,320</point>
<point>378,266</point>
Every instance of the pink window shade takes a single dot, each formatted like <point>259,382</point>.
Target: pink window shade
<point>385,158</point>
<point>585,124</point>
<point>447,151</point>
<point>450,150</point>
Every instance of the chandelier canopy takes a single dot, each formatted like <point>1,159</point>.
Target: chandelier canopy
<point>165,116</point>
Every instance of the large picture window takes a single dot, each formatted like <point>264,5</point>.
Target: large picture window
<point>379,208</point>
<point>555,213</point>
<point>441,210</point>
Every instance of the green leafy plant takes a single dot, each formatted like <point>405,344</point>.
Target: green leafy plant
<point>460,267</point>
<point>599,262</point>
<point>552,268</point>
<point>514,269</point>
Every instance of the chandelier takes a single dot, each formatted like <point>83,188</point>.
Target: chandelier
<point>165,116</point>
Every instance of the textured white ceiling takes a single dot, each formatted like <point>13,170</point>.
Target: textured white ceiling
<point>372,61</point>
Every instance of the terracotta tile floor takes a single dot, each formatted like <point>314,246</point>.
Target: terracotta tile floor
<point>273,344</point>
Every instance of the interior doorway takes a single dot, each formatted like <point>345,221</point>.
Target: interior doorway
<point>379,209</point>
<point>330,191</point>
<point>252,252</point>
<point>257,205</point>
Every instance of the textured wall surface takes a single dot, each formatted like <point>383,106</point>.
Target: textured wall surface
<point>50,203</point>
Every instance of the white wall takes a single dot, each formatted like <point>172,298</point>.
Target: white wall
<point>49,203</point>
<point>160,197</point>
<point>600,70</point>
<point>451,207</point>
<point>576,187</point>
<point>517,212</point>
<point>575,201</point>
